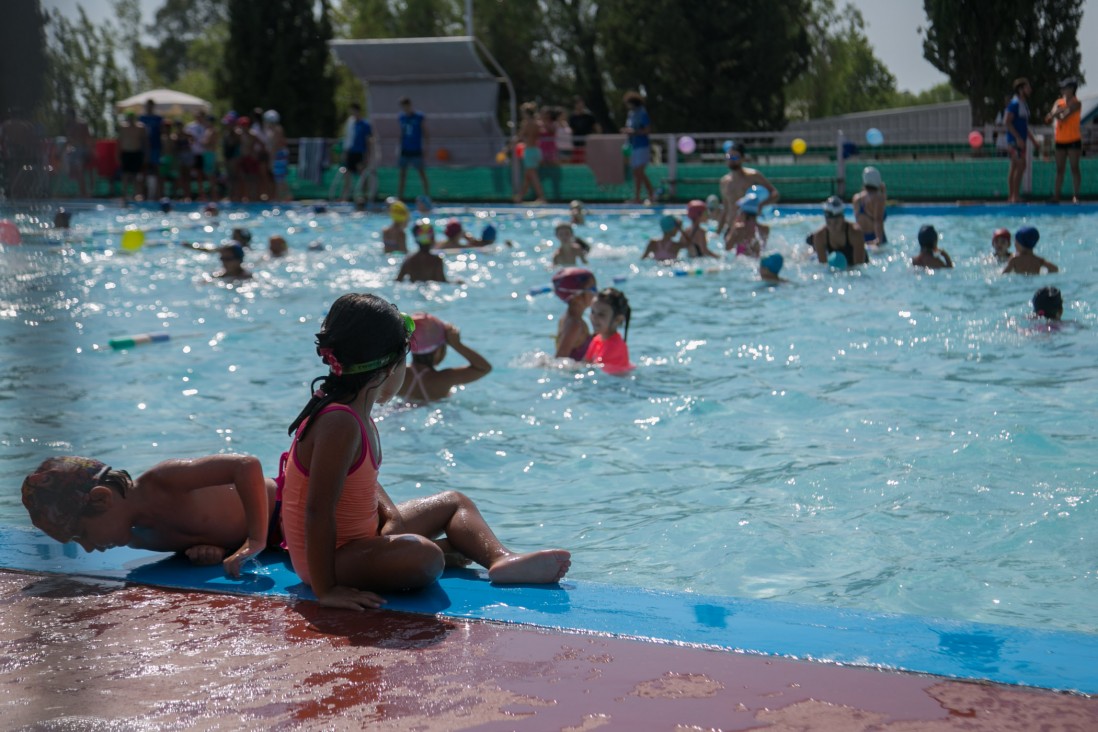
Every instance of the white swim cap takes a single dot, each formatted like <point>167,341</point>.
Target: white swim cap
<point>871,177</point>
<point>271,116</point>
<point>833,206</point>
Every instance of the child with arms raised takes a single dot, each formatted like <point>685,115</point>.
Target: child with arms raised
<point>423,380</point>
<point>347,538</point>
<point>609,312</point>
<point>206,508</point>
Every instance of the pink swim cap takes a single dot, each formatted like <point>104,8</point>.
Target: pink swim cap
<point>453,228</point>
<point>695,210</point>
<point>429,335</point>
<point>571,281</point>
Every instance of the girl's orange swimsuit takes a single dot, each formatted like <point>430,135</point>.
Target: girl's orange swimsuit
<point>1067,129</point>
<point>356,512</point>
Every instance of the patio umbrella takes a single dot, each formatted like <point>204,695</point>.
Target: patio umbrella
<point>166,101</point>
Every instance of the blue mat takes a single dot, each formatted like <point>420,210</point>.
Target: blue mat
<point>1049,659</point>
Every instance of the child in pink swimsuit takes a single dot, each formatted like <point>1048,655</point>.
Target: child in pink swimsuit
<point>347,538</point>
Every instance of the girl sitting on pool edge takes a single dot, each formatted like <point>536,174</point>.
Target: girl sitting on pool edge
<point>347,539</point>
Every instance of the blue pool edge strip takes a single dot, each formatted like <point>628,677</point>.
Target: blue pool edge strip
<point>1051,659</point>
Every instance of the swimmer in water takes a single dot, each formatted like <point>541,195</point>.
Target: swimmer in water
<point>769,268</point>
<point>348,540</point>
<point>695,239</point>
<point>575,286</point>
<point>572,249</point>
<point>747,236</point>
<point>424,381</point>
<point>1000,244</point>
<point>870,207</point>
<point>930,255</point>
<point>1024,260</point>
<point>394,238</point>
<point>666,248</point>
<point>609,312</point>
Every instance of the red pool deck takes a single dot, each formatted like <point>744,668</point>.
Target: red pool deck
<point>89,655</point>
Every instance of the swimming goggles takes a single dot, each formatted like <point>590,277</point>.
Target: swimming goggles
<point>362,368</point>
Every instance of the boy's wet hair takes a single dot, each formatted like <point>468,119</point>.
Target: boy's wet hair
<point>928,237</point>
<point>360,330</point>
<point>1048,303</point>
<point>56,493</point>
<point>619,305</point>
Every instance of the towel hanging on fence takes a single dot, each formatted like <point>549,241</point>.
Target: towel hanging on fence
<point>312,159</point>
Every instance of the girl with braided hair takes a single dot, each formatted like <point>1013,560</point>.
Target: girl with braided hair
<point>347,539</point>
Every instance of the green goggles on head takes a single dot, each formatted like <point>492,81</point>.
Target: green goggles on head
<point>367,366</point>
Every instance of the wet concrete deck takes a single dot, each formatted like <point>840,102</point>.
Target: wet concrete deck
<point>82,654</point>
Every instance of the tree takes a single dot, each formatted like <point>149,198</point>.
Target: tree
<point>277,57</point>
<point>22,48</point>
<point>178,25</point>
<point>82,73</point>
<point>719,65</point>
<point>983,46</point>
<point>843,74</point>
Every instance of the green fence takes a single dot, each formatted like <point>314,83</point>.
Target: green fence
<point>932,179</point>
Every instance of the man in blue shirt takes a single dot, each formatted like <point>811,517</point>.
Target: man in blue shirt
<point>637,126</point>
<point>413,145</point>
<point>1018,134</point>
<point>153,123</point>
<point>358,138</point>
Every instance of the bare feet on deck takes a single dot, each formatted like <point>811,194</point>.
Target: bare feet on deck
<point>535,568</point>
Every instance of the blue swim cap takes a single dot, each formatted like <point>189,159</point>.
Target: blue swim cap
<point>1027,236</point>
<point>165,204</point>
<point>773,262</point>
<point>489,233</point>
<point>837,260</point>
<point>928,236</point>
<point>668,223</point>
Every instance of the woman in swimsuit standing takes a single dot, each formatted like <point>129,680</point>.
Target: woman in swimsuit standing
<point>423,380</point>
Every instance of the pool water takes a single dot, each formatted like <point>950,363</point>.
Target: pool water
<point>884,439</point>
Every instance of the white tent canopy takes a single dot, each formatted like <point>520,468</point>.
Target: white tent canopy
<point>166,101</point>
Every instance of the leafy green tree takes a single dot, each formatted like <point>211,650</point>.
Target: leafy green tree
<point>574,28</point>
<point>179,26</point>
<point>982,47</point>
<point>719,65</point>
<point>937,94</point>
<point>843,74</point>
<point>82,72</point>
<point>277,57</point>
<point>22,55</point>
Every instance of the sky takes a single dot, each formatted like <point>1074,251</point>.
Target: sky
<point>892,27</point>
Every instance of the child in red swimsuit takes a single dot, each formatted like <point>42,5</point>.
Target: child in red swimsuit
<point>609,312</point>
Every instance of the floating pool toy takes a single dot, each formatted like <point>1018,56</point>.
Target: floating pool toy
<point>140,339</point>
<point>9,233</point>
<point>837,260</point>
<point>132,240</point>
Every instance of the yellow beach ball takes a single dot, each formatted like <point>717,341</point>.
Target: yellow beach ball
<point>132,240</point>
<point>799,146</point>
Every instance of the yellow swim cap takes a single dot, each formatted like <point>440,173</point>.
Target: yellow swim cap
<point>398,212</point>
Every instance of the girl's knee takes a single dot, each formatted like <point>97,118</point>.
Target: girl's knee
<point>423,562</point>
<point>457,499</point>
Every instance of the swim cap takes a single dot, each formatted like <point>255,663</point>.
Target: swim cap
<point>1048,302</point>
<point>229,118</point>
<point>928,236</point>
<point>424,233</point>
<point>243,122</point>
<point>488,233</point>
<point>668,223</point>
<point>453,228</point>
<point>237,250</point>
<point>833,206</point>
<point>695,210</point>
<point>398,212</point>
<point>749,204</point>
<point>712,202</point>
<point>430,333</point>
<point>837,260</point>
<point>271,117</point>
<point>759,192</point>
<point>772,262</point>
<point>576,204</point>
<point>56,493</point>
<point>1027,236</point>
<point>1001,231</point>
<point>871,177</point>
<point>571,281</point>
